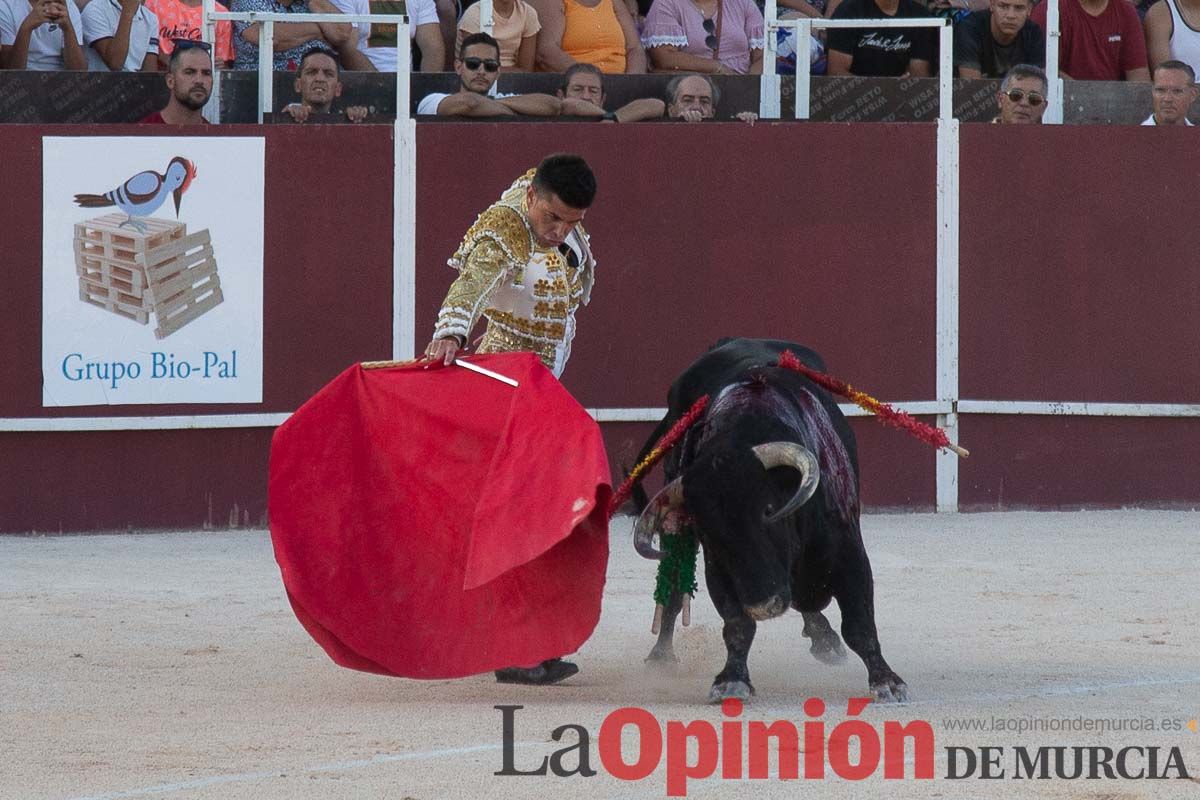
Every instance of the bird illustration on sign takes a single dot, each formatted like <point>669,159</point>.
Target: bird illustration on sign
<point>145,192</point>
<point>140,267</point>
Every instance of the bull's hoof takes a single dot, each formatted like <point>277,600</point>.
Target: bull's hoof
<point>662,658</point>
<point>730,690</point>
<point>893,690</point>
<point>828,651</point>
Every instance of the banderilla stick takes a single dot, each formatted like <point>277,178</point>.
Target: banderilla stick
<point>656,626</point>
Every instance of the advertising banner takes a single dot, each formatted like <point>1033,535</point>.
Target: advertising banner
<point>152,270</point>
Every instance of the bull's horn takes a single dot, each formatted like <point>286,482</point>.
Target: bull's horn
<point>670,497</point>
<point>790,454</point>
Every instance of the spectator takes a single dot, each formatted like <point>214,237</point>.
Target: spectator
<point>448,12</point>
<point>190,81</point>
<point>1141,7</point>
<point>716,37</point>
<point>318,82</point>
<point>1173,94</point>
<point>292,39</point>
<point>354,56</point>
<point>1101,40</point>
<point>813,9</point>
<point>888,52</point>
<point>1022,95</point>
<point>183,19</point>
<point>41,35</point>
<point>121,35</point>
<point>694,98</point>
<point>1173,32</point>
<point>515,26</point>
<point>582,95</point>
<point>600,32</point>
<point>988,43</point>
<point>478,66</point>
<point>424,31</point>
<point>788,49</point>
<point>955,10</point>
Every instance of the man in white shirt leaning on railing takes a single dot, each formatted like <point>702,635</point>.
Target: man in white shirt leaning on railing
<point>478,67</point>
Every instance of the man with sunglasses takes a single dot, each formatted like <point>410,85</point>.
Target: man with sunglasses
<point>1022,96</point>
<point>1173,94</point>
<point>190,80</point>
<point>478,66</point>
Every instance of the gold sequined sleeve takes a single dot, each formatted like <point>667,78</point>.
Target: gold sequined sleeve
<point>482,272</point>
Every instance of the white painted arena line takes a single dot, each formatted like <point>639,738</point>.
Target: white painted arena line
<point>339,766</point>
<point>1056,691</point>
<point>391,758</point>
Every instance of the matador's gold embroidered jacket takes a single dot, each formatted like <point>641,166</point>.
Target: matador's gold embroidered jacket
<point>528,294</point>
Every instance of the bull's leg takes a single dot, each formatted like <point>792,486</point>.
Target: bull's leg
<point>855,595</point>
<point>826,645</point>
<point>663,652</point>
<point>734,680</point>
<point>738,632</point>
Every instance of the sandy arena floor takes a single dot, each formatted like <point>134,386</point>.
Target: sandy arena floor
<point>170,666</point>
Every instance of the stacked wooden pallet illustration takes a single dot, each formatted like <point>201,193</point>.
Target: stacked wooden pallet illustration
<point>161,271</point>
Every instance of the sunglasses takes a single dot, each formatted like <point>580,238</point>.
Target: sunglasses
<point>488,64</point>
<point>710,41</point>
<point>188,44</point>
<point>1016,95</point>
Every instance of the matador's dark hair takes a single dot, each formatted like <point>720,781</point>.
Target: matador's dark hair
<point>567,176</point>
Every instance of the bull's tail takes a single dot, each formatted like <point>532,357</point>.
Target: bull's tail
<point>93,200</point>
<point>638,494</point>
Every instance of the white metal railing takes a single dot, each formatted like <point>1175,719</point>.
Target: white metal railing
<point>1039,408</point>
<point>769,96</point>
<point>946,408</point>
<point>1055,89</point>
<point>769,100</point>
<point>404,148</point>
<point>266,47</point>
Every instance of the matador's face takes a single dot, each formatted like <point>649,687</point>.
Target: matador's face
<point>550,218</point>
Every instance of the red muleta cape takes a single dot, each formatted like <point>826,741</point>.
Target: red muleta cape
<point>436,523</point>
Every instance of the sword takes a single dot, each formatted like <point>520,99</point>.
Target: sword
<point>483,371</point>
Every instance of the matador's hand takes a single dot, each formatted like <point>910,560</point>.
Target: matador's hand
<point>442,350</point>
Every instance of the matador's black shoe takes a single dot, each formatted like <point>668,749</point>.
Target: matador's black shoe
<point>552,670</point>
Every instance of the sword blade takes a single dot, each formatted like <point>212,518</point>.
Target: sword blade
<point>482,371</point>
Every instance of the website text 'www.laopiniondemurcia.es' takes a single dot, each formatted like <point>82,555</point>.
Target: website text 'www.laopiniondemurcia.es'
<point>852,749</point>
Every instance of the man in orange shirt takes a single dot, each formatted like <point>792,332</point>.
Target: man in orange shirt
<point>181,19</point>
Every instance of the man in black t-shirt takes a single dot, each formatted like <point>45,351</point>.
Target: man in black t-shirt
<point>888,52</point>
<point>988,43</point>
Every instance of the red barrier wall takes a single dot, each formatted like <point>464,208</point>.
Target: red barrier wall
<point>1079,284</point>
<point>696,239</point>
<point>1076,285</point>
<point>326,303</point>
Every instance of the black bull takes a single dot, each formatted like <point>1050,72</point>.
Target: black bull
<point>767,479</point>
